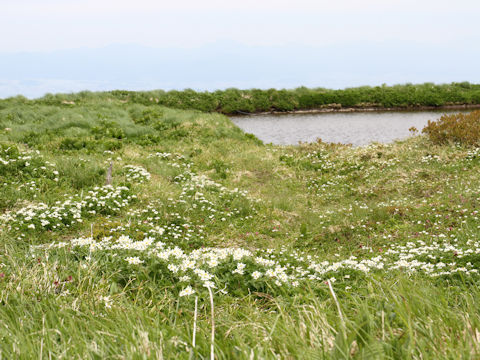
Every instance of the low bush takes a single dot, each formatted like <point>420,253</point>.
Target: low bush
<point>108,129</point>
<point>146,116</point>
<point>73,144</point>
<point>456,128</point>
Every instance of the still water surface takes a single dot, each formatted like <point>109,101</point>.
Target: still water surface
<point>357,128</point>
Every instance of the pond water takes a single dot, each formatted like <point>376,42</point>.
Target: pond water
<point>356,128</point>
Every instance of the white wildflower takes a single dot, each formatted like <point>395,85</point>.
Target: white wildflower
<point>186,292</point>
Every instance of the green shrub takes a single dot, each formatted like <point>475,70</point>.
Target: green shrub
<point>72,144</point>
<point>166,124</point>
<point>112,144</point>
<point>178,134</point>
<point>108,129</point>
<point>31,138</point>
<point>147,116</point>
<point>16,164</point>
<point>457,128</point>
<point>148,139</point>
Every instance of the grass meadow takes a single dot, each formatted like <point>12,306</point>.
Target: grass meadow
<point>130,230</point>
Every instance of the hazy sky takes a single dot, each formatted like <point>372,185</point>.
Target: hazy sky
<point>39,26</point>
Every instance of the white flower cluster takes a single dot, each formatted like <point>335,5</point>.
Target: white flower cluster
<point>200,195</point>
<point>175,160</point>
<point>161,155</point>
<point>473,154</point>
<point>134,260</point>
<point>430,158</point>
<point>10,155</point>
<point>136,173</point>
<point>195,189</point>
<point>25,163</point>
<point>187,291</point>
<point>314,160</point>
<point>152,220</point>
<point>319,160</point>
<point>105,200</point>
<point>199,268</point>
<point>229,267</point>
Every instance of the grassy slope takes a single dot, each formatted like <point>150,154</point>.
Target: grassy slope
<point>331,201</point>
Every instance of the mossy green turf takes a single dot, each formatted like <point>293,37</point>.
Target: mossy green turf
<point>327,200</point>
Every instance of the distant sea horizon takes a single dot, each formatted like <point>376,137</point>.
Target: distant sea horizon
<point>224,64</point>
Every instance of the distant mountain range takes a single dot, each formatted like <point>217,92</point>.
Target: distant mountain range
<point>224,64</point>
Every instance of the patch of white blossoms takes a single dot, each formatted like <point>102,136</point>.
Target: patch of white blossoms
<point>25,164</point>
<point>174,160</point>
<point>429,158</point>
<point>231,267</point>
<point>104,200</point>
<point>473,154</point>
<point>136,174</point>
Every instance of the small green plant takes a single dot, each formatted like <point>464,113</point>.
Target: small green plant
<point>147,116</point>
<point>303,231</point>
<point>112,144</point>
<point>166,124</point>
<point>72,144</point>
<point>221,168</point>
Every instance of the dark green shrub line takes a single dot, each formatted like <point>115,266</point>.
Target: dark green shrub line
<point>235,101</point>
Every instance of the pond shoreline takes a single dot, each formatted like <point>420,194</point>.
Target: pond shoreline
<point>346,127</point>
<point>339,109</point>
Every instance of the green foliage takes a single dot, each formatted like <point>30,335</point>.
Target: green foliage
<point>108,129</point>
<point>221,168</point>
<point>73,144</point>
<point>146,116</point>
<point>111,144</point>
<point>22,165</point>
<point>169,123</point>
